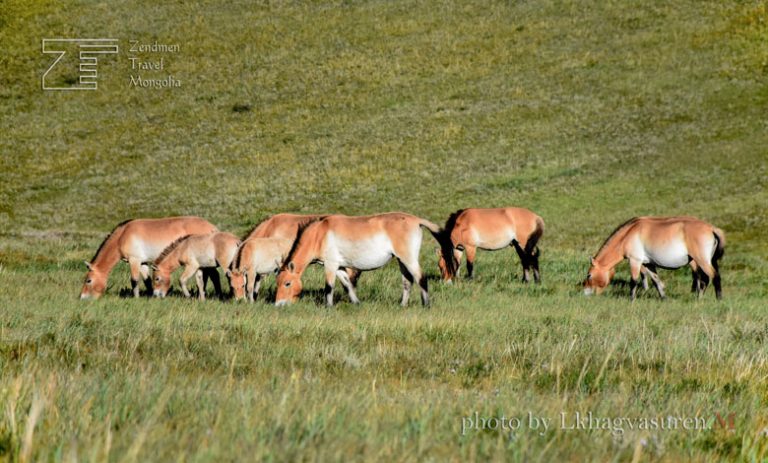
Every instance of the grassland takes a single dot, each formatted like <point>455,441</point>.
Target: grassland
<point>586,112</point>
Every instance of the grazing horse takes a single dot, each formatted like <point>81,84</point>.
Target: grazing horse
<point>665,242</point>
<point>138,242</point>
<point>284,226</point>
<point>362,243</point>
<point>194,252</point>
<point>491,230</point>
<point>256,257</point>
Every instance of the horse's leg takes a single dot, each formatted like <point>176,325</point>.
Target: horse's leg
<point>189,270</point>
<point>407,283</point>
<point>250,280</point>
<point>330,280</point>
<point>534,261</point>
<point>135,274</point>
<point>213,274</point>
<point>414,270</point>
<point>470,250</point>
<point>716,280</point>
<point>200,284</point>
<point>695,276</point>
<point>644,277</point>
<point>257,285</point>
<point>634,269</point>
<point>343,277</point>
<point>707,271</point>
<point>354,275</point>
<point>524,261</point>
<point>144,269</point>
<point>650,272</point>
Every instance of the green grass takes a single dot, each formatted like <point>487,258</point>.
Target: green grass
<point>588,113</point>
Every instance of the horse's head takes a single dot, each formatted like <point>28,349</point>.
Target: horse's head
<point>447,272</point>
<point>237,282</point>
<point>161,281</point>
<point>288,285</point>
<point>95,283</point>
<point>598,278</point>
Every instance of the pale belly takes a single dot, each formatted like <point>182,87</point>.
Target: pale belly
<point>363,254</point>
<point>494,241</point>
<point>145,251</point>
<point>673,254</point>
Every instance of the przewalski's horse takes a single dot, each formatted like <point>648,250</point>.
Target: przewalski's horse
<point>665,242</point>
<point>362,243</point>
<point>194,252</point>
<point>284,226</point>
<point>491,230</point>
<point>256,257</point>
<point>138,242</point>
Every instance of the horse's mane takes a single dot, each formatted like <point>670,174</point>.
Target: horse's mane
<point>299,234</point>
<point>451,222</point>
<point>253,228</point>
<point>617,230</point>
<point>109,235</point>
<point>168,249</point>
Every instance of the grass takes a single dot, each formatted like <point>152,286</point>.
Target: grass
<point>586,112</point>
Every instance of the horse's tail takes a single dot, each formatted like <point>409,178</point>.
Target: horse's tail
<point>443,238</point>
<point>530,246</point>
<point>720,238</point>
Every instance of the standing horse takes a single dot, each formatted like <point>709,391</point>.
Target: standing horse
<point>138,242</point>
<point>362,243</point>
<point>666,242</point>
<point>491,230</point>
<point>194,252</point>
<point>256,257</point>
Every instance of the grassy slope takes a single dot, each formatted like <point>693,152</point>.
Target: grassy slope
<point>587,113</point>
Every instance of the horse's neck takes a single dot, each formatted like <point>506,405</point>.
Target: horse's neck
<point>109,255</point>
<point>612,252</point>
<point>172,261</point>
<point>309,248</point>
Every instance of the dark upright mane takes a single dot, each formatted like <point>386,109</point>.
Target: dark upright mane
<point>253,228</point>
<point>109,235</point>
<point>617,230</point>
<point>168,249</point>
<point>451,222</point>
<point>299,233</point>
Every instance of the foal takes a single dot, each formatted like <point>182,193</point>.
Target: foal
<point>256,257</point>
<point>194,252</point>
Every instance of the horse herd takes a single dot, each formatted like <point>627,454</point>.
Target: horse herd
<point>345,246</point>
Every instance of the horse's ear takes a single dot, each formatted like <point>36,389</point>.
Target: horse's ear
<point>88,264</point>
<point>291,266</point>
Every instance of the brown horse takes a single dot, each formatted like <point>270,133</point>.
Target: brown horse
<point>665,242</point>
<point>194,252</point>
<point>284,226</point>
<point>362,243</point>
<point>491,230</point>
<point>256,257</point>
<point>138,242</point>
